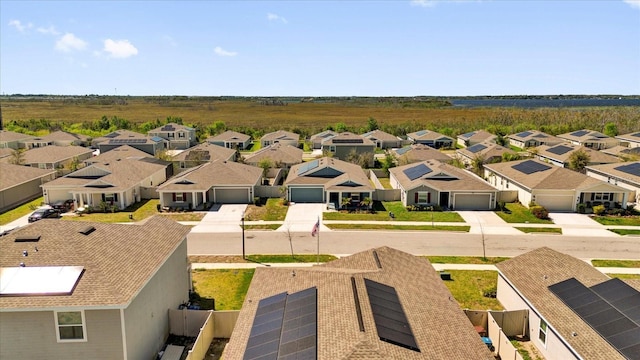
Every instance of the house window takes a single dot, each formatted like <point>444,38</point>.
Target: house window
<point>179,197</point>
<point>110,198</point>
<point>332,148</point>
<point>70,326</point>
<point>602,196</point>
<point>355,197</point>
<point>171,135</point>
<point>542,333</point>
<point>423,197</point>
<point>181,135</point>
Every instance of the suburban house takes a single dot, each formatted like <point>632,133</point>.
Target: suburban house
<point>280,136</point>
<point>377,304</point>
<point>20,184</point>
<point>532,138</point>
<point>383,140</point>
<point>13,140</point>
<point>63,138</point>
<point>222,182</point>
<point>556,188</point>
<point>631,140</point>
<point>560,155</point>
<point>281,156</point>
<point>476,137</point>
<point>202,153</point>
<point>36,142</point>
<point>589,138</point>
<point>417,153</point>
<point>489,153</point>
<point>317,139</point>
<point>150,145</point>
<point>575,311</point>
<point>117,154</point>
<point>623,152</point>
<point>625,175</point>
<point>433,183</point>
<point>231,139</point>
<point>178,136</point>
<point>118,183</point>
<point>431,138</point>
<point>328,180</point>
<point>54,157</point>
<point>80,290</point>
<point>345,145</point>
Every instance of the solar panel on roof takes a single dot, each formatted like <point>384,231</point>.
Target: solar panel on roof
<point>599,307</point>
<point>403,150</point>
<point>560,149</point>
<point>348,141</point>
<point>112,135</point>
<point>636,135</point>
<point>168,128</point>
<point>475,148</point>
<point>157,139</point>
<point>468,135</point>
<point>579,133</point>
<point>529,167</point>
<point>389,316</point>
<point>264,338</point>
<point>421,132</point>
<point>631,169</point>
<point>417,171</point>
<point>524,134</point>
<point>308,166</point>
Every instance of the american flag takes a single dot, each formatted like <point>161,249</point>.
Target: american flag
<point>316,228</point>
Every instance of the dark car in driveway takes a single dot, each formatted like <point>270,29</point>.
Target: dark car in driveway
<point>62,205</point>
<point>45,213</point>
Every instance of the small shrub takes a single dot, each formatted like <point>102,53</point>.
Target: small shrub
<point>617,212</point>
<point>490,292</point>
<point>582,208</point>
<point>256,201</point>
<point>598,209</point>
<point>532,204</point>
<point>539,211</point>
<point>501,205</point>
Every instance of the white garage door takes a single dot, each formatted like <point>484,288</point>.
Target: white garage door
<point>472,202</point>
<point>555,202</point>
<point>231,196</point>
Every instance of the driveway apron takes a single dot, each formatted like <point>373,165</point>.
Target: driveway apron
<point>221,218</point>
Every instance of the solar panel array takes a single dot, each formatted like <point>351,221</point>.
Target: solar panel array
<point>529,167</point>
<point>475,148</point>
<point>631,169</point>
<point>469,134</point>
<point>389,316</point>
<point>636,135</point>
<point>157,139</point>
<point>417,171</point>
<point>112,135</point>
<point>168,128</point>
<point>524,134</point>
<point>611,308</point>
<point>403,150</point>
<point>308,166</point>
<point>422,132</point>
<point>127,141</point>
<point>285,327</point>
<point>579,133</point>
<point>560,149</point>
<point>348,141</point>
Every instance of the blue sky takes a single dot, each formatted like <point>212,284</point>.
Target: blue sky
<point>320,48</point>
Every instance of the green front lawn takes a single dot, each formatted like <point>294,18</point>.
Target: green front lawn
<point>273,210</point>
<point>467,287</point>
<point>461,228</point>
<point>227,286</point>
<point>616,263</point>
<point>625,231</point>
<point>518,214</point>
<point>140,211</point>
<point>618,220</point>
<point>22,210</point>
<point>465,260</point>
<point>382,210</point>
<point>529,230</point>
<point>296,258</point>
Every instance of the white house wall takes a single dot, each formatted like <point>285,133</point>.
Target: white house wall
<point>634,190</point>
<point>503,184</point>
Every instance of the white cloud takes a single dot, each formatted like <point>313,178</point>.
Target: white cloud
<point>19,26</point>
<point>633,3</point>
<point>275,17</point>
<point>50,30</point>
<point>119,49</point>
<point>69,42</point>
<point>222,52</point>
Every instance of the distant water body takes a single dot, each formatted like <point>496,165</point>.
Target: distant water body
<point>539,103</point>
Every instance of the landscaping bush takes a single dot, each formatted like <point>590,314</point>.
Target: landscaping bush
<point>582,208</point>
<point>490,292</point>
<point>598,209</point>
<point>539,211</point>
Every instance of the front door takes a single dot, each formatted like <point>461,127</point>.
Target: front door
<point>444,199</point>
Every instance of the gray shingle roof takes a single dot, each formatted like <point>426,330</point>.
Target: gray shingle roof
<point>118,260</point>
<point>611,169</point>
<point>477,136</point>
<point>121,152</point>
<point>215,152</point>
<point>229,136</point>
<point>420,152</point>
<point>427,135</point>
<point>8,136</point>
<point>533,272</point>
<point>348,139</point>
<point>54,154</point>
<point>380,135</point>
<point>457,179</point>
<point>491,150</point>
<point>349,172</point>
<point>440,328</point>
<point>215,173</point>
<point>280,135</point>
<point>285,154</point>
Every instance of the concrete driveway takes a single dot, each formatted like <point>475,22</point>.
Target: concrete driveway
<point>302,218</point>
<point>487,222</point>
<point>221,218</point>
<point>578,225</point>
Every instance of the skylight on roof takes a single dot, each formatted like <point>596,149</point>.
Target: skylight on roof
<point>42,280</point>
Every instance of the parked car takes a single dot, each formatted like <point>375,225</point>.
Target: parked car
<point>45,213</point>
<point>62,205</point>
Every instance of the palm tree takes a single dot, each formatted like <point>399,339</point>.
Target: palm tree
<point>346,201</point>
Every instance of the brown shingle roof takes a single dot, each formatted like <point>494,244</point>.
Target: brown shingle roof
<point>215,173</point>
<point>595,156</point>
<point>118,260</point>
<point>584,135</point>
<point>427,135</point>
<point>344,172</point>
<point>121,152</point>
<point>348,139</point>
<point>478,136</point>
<point>64,136</point>
<point>611,169</point>
<point>280,135</point>
<point>380,135</point>
<point>534,134</point>
<point>453,179</point>
<point>421,152</point>
<point>214,152</point>
<point>277,153</point>
<point>491,150</point>
<point>54,154</point>
<point>228,136</point>
<point>632,136</point>
<point>12,175</point>
<point>8,136</point>
<point>533,272</point>
<point>440,328</point>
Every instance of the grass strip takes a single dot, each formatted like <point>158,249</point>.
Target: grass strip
<point>616,263</point>
<point>465,260</point>
<point>533,230</point>
<point>227,286</point>
<point>516,213</point>
<point>296,258</point>
<point>262,227</point>
<point>398,227</point>
<point>617,220</point>
<point>625,231</point>
<point>382,210</point>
